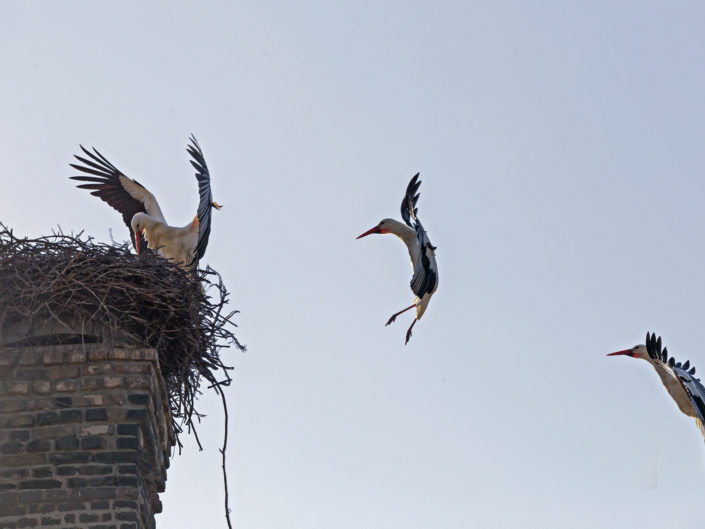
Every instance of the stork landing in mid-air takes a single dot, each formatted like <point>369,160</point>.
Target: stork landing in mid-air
<point>141,211</point>
<point>422,253</point>
<point>678,378</point>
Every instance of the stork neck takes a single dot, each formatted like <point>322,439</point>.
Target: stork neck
<point>399,229</point>
<point>143,220</point>
<point>406,234</point>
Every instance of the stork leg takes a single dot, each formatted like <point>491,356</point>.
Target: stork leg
<point>394,316</point>
<point>408,333</point>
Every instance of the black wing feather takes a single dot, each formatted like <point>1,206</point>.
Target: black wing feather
<point>105,184</point>
<point>424,278</point>
<point>408,203</point>
<point>205,203</point>
<point>653,347</point>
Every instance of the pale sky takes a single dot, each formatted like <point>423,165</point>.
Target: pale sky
<point>560,146</point>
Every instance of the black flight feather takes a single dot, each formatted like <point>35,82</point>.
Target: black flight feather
<point>105,184</point>
<point>205,204</point>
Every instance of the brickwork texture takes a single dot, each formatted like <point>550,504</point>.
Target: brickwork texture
<point>84,437</point>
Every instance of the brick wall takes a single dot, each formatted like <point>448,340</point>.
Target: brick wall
<point>84,437</point>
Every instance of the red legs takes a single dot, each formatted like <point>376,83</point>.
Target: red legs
<point>394,316</point>
<point>408,333</point>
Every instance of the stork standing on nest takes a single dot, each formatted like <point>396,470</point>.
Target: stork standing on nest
<point>422,253</point>
<point>678,378</point>
<point>141,211</point>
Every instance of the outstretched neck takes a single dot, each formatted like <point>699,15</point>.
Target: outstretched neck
<point>401,230</point>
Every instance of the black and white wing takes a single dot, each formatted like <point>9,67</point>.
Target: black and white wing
<point>408,203</point>
<point>108,183</point>
<point>685,375</point>
<point>695,390</point>
<point>205,203</point>
<point>425,278</point>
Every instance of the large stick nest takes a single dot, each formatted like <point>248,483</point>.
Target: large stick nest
<point>146,300</point>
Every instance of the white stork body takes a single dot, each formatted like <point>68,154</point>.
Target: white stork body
<point>424,282</point>
<point>677,378</point>
<point>409,238</point>
<point>141,211</point>
<point>169,241</point>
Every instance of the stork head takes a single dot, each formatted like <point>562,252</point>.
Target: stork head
<point>140,221</point>
<point>638,351</point>
<point>384,226</point>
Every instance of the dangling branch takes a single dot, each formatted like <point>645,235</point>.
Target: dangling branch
<point>219,389</point>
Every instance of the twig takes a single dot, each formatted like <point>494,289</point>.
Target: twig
<point>222,451</point>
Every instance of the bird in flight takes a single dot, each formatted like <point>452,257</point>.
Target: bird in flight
<point>424,282</point>
<point>679,379</point>
<point>141,212</point>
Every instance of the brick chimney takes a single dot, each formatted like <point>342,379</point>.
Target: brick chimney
<point>98,348</point>
<point>85,436</point>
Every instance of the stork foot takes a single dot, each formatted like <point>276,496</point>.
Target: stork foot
<point>408,333</point>
<point>394,316</point>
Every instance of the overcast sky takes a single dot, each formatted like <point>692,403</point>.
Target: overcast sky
<point>560,146</point>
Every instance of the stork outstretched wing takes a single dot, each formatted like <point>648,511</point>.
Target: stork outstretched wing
<point>205,203</point>
<point>108,183</point>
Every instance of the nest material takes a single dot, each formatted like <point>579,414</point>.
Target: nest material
<point>144,299</point>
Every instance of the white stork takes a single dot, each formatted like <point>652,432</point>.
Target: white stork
<point>678,378</point>
<point>141,211</point>
<point>422,253</point>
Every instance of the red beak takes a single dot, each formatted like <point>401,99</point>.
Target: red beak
<point>138,236</point>
<point>376,229</point>
<point>625,352</point>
